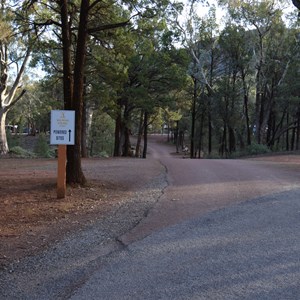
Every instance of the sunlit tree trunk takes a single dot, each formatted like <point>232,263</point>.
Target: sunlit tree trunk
<point>9,96</point>
<point>3,138</point>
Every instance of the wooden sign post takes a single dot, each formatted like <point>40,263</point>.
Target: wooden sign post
<point>61,171</point>
<point>62,134</point>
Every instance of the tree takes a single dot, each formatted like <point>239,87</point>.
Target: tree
<point>262,17</point>
<point>199,39</point>
<point>76,27</point>
<point>236,69</point>
<point>153,73</point>
<point>12,51</point>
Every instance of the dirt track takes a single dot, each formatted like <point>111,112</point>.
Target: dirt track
<point>199,186</point>
<point>31,217</point>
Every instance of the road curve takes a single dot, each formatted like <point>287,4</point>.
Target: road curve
<point>199,186</point>
<point>223,229</point>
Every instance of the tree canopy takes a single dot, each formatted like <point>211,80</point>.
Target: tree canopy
<point>145,66</point>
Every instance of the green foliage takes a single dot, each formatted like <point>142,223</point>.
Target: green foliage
<point>101,141</point>
<point>12,140</point>
<point>138,68</point>
<point>21,152</point>
<point>42,148</point>
<point>256,149</point>
<point>213,155</point>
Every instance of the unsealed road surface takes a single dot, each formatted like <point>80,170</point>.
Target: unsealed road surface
<point>221,229</point>
<point>234,235</point>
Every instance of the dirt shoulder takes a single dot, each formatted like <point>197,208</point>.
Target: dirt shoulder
<point>31,216</point>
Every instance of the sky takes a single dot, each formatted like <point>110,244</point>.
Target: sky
<point>203,9</point>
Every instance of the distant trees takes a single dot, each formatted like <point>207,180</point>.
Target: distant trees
<point>223,90</point>
<point>79,28</point>
<point>240,76</point>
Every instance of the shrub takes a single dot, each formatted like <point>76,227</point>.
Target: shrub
<point>255,149</point>
<point>20,152</point>
<point>42,148</point>
<point>12,140</point>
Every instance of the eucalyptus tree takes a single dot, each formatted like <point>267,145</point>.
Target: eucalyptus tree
<point>15,47</point>
<point>260,17</point>
<point>283,74</point>
<point>236,72</point>
<point>199,38</point>
<point>229,87</point>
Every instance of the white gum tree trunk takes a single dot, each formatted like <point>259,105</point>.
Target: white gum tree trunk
<point>9,94</point>
<point>3,139</point>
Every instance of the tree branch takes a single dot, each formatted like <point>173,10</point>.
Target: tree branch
<point>16,100</point>
<point>108,26</point>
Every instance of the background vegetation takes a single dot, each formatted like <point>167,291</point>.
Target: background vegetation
<point>222,88</point>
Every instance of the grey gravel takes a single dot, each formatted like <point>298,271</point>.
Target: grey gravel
<point>54,273</point>
<point>246,251</point>
<point>249,250</point>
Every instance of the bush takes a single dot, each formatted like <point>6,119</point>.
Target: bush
<point>12,140</point>
<point>103,154</point>
<point>256,149</point>
<point>42,148</point>
<point>213,155</point>
<point>20,152</point>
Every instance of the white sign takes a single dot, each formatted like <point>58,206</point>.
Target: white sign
<point>62,127</point>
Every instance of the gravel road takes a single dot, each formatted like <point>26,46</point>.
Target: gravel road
<point>246,251</point>
<point>217,229</point>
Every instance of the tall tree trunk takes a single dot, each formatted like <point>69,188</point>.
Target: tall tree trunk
<point>259,93</point>
<point>67,58</point>
<point>177,136</point>
<point>209,128</point>
<point>257,117</point>
<point>193,119</point>
<point>8,96</point>
<point>209,113</point>
<point>145,134</point>
<point>74,170</point>
<point>3,138</point>
<point>84,147</point>
<point>293,139</point>
<point>200,135</point>
<point>232,139</point>
<point>298,130</point>
<point>117,145</point>
<point>246,109</point>
<point>140,133</point>
<point>223,148</point>
<point>287,139</point>
<point>67,76</point>
<point>126,147</point>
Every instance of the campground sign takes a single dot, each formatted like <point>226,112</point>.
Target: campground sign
<point>62,127</point>
<point>62,133</point>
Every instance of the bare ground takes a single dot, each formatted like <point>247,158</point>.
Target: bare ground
<point>31,216</point>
